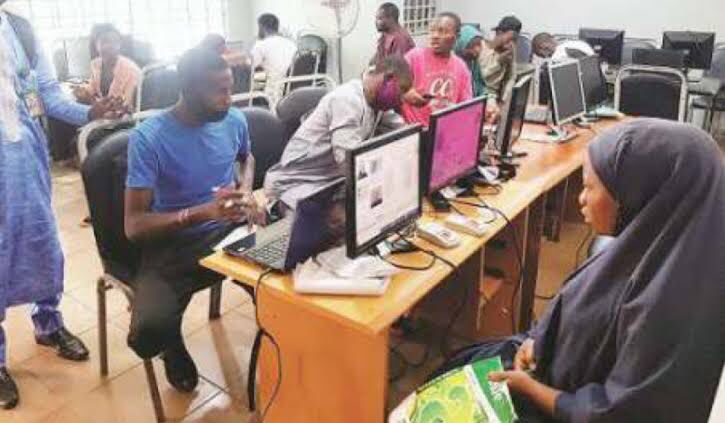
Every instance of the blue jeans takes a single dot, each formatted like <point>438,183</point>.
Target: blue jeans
<point>46,319</point>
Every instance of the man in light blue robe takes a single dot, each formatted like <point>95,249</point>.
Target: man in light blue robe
<point>31,260</point>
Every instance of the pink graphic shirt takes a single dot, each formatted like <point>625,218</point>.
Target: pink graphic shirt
<point>447,79</point>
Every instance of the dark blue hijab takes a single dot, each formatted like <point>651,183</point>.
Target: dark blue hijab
<point>638,333</point>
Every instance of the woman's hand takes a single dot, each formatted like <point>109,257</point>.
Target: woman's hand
<point>517,380</point>
<point>524,359</point>
<point>414,98</point>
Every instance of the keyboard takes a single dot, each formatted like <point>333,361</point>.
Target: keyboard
<point>272,244</point>
<point>537,114</point>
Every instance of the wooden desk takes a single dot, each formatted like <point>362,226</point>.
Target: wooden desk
<point>334,350</point>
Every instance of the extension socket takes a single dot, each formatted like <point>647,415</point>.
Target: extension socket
<point>438,235</point>
<point>467,225</point>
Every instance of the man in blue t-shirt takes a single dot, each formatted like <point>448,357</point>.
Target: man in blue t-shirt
<point>183,194</point>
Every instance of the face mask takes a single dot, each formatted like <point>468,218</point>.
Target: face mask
<point>388,97</point>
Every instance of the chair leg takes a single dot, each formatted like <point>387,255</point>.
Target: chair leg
<point>252,372</point>
<point>215,301</point>
<point>101,289</point>
<point>154,389</point>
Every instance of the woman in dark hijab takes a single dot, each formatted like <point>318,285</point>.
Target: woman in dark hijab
<point>638,332</point>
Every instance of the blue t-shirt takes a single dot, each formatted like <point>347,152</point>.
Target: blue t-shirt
<point>182,164</point>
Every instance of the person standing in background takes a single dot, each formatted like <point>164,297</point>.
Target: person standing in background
<point>498,57</point>
<point>272,52</point>
<point>394,39</point>
<point>31,259</point>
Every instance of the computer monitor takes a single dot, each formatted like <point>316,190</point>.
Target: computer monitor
<point>567,93</point>
<point>594,82</point>
<point>512,117</point>
<point>659,57</point>
<point>697,46</point>
<point>607,43</point>
<point>456,139</point>
<point>383,188</point>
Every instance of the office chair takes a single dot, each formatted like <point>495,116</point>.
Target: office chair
<point>267,133</point>
<point>91,134</point>
<point>651,92</point>
<point>632,44</point>
<point>715,105</point>
<point>252,99</point>
<point>295,106</point>
<point>159,87</point>
<point>104,175</point>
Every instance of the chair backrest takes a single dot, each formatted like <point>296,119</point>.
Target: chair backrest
<point>651,92</point>
<point>295,106</point>
<point>305,62</point>
<point>159,88</point>
<point>717,69</point>
<point>629,47</point>
<point>523,49</point>
<point>242,79</point>
<point>104,179</point>
<point>252,98</point>
<point>314,44</point>
<point>268,141</point>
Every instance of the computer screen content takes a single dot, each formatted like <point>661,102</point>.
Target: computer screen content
<point>697,47</point>
<point>593,81</point>
<point>456,139</point>
<point>567,92</point>
<point>607,43</point>
<point>383,186</point>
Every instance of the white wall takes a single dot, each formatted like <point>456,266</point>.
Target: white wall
<point>294,15</point>
<point>238,22</point>
<point>640,18</point>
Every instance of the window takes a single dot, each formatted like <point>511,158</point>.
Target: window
<point>417,15</point>
<point>171,26</point>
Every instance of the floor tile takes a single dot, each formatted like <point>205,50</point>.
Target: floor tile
<point>221,409</point>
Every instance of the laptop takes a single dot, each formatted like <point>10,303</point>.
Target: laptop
<point>316,225</point>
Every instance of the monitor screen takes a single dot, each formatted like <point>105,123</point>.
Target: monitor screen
<point>607,43</point>
<point>512,117</point>
<point>697,47</point>
<point>566,91</point>
<point>593,82</point>
<point>383,188</point>
<point>456,133</point>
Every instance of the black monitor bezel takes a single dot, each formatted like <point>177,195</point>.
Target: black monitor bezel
<point>709,42</point>
<point>352,249</point>
<point>431,140</point>
<point>554,104</point>
<point>505,138</point>
<point>638,54</point>
<point>613,36</point>
<point>602,83</point>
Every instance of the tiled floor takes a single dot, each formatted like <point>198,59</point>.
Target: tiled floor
<point>53,390</point>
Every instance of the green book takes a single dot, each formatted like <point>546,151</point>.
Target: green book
<point>460,396</point>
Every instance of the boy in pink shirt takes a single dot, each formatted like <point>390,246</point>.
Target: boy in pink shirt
<point>440,78</point>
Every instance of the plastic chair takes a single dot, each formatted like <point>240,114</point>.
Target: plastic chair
<point>295,106</point>
<point>652,92</point>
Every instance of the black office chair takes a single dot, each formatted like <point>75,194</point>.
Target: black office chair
<point>159,88</point>
<point>268,140</point>
<point>317,45</point>
<point>632,44</point>
<point>104,175</point>
<point>651,92</point>
<point>295,106</point>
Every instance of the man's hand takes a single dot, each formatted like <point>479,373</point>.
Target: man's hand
<point>233,206</point>
<point>256,214</point>
<point>507,54</point>
<point>524,359</point>
<point>414,98</point>
<point>107,108</point>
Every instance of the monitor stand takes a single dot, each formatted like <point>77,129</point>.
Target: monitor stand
<point>559,133</point>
